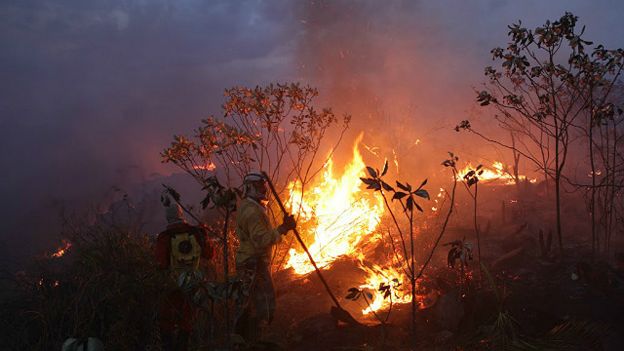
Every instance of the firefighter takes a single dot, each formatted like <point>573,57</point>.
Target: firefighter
<point>180,250</point>
<point>257,238</point>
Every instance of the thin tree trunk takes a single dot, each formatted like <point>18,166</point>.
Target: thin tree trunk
<point>476,227</point>
<point>558,189</point>
<point>226,273</point>
<point>605,206</point>
<point>560,128</point>
<point>592,202</point>
<point>612,188</point>
<point>516,165</point>
<point>413,280</point>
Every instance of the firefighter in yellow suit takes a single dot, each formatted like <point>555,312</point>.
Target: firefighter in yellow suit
<point>257,238</point>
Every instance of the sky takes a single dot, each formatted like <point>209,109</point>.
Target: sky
<point>92,91</point>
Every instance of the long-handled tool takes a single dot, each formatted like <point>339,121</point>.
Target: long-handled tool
<point>336,311</point>
<point>176,197</point>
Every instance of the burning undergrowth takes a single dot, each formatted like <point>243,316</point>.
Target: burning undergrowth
<point>352,235</point>
<point>101,282</point>
<point>341,219</point>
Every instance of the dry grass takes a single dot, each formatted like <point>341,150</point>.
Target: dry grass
<point>106,285</point>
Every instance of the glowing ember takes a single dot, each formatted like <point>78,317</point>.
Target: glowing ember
<point>498,172</point>
<point>437,200</point>
<point>62,250</point>
<point>372,149</point>
<point>395,160</point>
<point>336,212</point>
<point>208,167</point>
<point>598,173</point>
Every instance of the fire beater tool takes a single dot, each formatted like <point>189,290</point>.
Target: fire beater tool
<point>336,311</point>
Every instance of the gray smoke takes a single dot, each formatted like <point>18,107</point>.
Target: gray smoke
<point>407,70</point>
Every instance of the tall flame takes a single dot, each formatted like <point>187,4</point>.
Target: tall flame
<point>336,212</point>
<point>340,217</point>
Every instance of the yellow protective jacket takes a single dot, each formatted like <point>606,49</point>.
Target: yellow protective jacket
<point>255,232</point>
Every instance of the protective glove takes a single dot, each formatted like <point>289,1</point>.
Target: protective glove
<point>287,224</point>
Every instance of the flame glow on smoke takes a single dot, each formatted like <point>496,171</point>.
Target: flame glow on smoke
<point>336,212</point>
<point>498,172</point>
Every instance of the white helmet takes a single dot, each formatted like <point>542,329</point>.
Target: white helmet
<point>254,176</point>
<point>250,186</point>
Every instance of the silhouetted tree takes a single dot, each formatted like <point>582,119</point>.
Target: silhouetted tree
<point>545,88</point>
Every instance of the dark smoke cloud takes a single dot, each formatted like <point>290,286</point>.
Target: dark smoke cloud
<point>93,90</point>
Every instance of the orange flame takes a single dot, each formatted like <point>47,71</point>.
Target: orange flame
<point>341,217</point>
<point>498,172</point>
<point>207,167</point>
<point>336,212</point>
<point>62,250</point>
<point>399,291</point>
